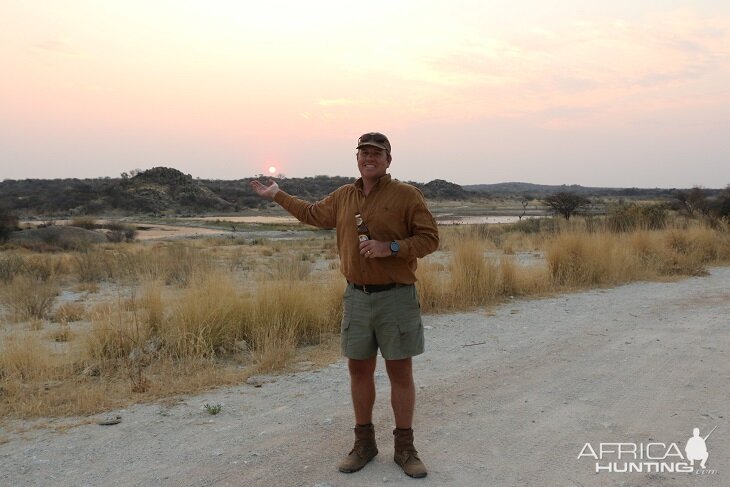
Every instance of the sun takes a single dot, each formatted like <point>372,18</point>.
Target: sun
<point>272,170</point>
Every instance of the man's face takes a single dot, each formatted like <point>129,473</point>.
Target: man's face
<point>372,162</point>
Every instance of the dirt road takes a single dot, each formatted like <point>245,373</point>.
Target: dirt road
<point>507,397</point>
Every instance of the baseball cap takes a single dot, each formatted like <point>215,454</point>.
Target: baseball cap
<point>376,139</point>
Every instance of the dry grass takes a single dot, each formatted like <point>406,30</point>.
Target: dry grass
<point>579,259</point>
<point>61,334</point>
<point>69,312</point>
<point>184,309</point>
<point>25,358</point>
<point>206,319</point>
<point>29,297</point>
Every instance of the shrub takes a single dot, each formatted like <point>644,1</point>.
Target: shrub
<point>8,224</point>
<point>627,217</point>
<point>528,225</point>
<point>11,265</point>
<point>120,232</point>
<point>84,222</point>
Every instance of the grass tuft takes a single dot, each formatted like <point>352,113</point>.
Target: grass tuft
<point>29,298</point>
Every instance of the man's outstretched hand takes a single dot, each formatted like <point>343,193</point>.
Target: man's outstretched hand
<point>267,192</point>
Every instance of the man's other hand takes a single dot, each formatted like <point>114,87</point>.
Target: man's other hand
<point>371,249</point>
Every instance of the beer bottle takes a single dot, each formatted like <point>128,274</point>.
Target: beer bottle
<point>362,230</point>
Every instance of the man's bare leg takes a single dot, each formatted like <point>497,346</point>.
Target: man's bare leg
<point>362,387</point>
<point>402,391</point>
<point>403,400</point>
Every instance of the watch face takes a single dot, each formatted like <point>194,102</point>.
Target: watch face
<point>394,247</point>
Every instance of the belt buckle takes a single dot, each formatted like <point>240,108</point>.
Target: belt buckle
<point>365,289</point>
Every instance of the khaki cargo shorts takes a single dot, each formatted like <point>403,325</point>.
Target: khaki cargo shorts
<point>389,320</point>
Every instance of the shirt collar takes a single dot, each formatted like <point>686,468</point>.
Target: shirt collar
<point>382,181</point>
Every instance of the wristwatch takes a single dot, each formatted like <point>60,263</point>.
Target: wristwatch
<point>394,248</point>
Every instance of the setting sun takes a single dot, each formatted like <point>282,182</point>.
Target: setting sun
<point>272,169</point>
<point>620,93</point>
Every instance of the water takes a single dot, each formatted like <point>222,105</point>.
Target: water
<point>475,219</point>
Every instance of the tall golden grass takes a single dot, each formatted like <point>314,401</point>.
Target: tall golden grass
<point>192,315</point>
<point>28,297</point>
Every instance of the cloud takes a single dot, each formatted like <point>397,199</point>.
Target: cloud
<point>338,102</point>
<point>584,69</point>
<point>55,46</point>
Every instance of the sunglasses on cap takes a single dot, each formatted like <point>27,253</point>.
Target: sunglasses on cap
<point>375,139</point>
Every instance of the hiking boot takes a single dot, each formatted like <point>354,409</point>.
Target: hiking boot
<point>364,450</point>
<point>406,455</point>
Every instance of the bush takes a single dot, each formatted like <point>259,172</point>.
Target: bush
<point>627,217</point>
<point>84,222</point>
<point>8,224</point>
<point>119,232</point>
<point>10,266</point>
<point>528,225</point>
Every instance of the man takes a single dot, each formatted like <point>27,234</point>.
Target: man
<point>380,305</point>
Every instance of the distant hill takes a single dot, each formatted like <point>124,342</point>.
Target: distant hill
<point>163,190</point>
<point>157,190</point>
<point>537,191</point>
<point>167,191</point>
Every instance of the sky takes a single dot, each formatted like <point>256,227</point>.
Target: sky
<point>627,93</point>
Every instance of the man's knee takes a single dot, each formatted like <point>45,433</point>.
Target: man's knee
<point>400,371</point>
<point>360,369</point>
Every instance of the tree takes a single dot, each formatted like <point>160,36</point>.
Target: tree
<point>722,204</point>
<point>566,203</point>
<point>8,224</point>
<point>525,201</point>
<point>693,201</point>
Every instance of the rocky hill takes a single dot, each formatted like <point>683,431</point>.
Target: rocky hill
<point>163,190</point>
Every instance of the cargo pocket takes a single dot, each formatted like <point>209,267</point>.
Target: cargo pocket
<point>408,311</point>
<point>346,318</point>
<point>410,325</point>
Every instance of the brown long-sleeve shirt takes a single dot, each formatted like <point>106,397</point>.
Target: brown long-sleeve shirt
<point>392,211</point>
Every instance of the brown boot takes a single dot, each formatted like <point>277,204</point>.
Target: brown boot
<point>406,455</point>
<point>364,450</point>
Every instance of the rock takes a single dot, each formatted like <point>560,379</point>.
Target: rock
<point>259,380</point>
<point>152,345</point>
<point>92,371</point>
<point>303,366</point>
<point>109,420</point>
<point>136,354</point>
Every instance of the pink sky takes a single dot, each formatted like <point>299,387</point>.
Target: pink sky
<point>627,94</point>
